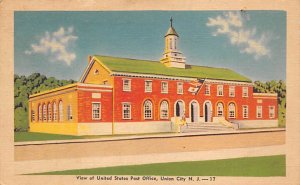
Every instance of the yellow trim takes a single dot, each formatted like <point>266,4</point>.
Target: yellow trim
<point>108,70</point>
<point>53,90</point>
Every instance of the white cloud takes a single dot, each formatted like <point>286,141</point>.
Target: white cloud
<point>57,45</point>
<point>233,25</point>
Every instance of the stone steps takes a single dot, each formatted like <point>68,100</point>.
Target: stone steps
<point>204,127</point>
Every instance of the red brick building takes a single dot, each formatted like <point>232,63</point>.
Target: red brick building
<point>127,96</point>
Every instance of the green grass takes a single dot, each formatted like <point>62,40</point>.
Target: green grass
<point>155,67</point>
<point>33,136</point>
<point>249,166</point>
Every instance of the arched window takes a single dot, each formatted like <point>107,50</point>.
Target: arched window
<point>60,111</point>
<point>40,112</point>
<point>170,43</point>
<point>220,109</point>
<point>231,110</point>
<point>44,112</point>
<point>54,112</point>
<point>49,112</point>
<point>148,109</point>
<point>164,110</point>
<point>69,112</point>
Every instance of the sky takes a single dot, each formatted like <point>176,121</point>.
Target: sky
<point>252,43</point>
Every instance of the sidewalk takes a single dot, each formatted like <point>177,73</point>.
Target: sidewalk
<point>25,167</point>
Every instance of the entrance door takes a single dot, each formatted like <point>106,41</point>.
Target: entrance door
<point>179,109</point>
<point>207,112</point>
<point>194,112</point>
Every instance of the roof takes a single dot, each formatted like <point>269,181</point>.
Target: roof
<point>171,31</point>
<point>116,64</point>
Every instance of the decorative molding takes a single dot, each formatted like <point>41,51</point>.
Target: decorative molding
<point>265,94</point>
<point>152,76</point>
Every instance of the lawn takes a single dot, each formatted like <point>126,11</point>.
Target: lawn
<point>33,136</point>
<point>248,166</point>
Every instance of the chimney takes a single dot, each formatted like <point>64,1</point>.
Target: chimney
<point>89,58</point>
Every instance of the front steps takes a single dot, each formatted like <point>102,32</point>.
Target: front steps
<point>204,127</point>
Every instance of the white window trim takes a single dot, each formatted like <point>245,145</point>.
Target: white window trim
<point>160,113</point>
<point>245,96</point>
<point>207,94</point>
<point>126,103</point>
<point>270,111</point>
<point>233,90</point>
<point>234,111</point>
<point>148,90</point>
<point>167,87</point>
<point>257,111</point>
<point>129,85</point>
<point>244,112</point>
<point>54,111</point>
<point>218,109</point>
<point>150,109</point>
<point>221,91</point>
<point>60,116</point>
<point>99,111</point>
<point>178,83</point>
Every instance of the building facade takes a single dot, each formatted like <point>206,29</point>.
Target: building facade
<point>130,96</point>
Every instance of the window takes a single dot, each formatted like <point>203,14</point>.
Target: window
<point>179,88</point>
<point>69,112</point>
<point>49,112</point>
<point>96,111</point>
<point>54,112</point>
<point>170,43</point>
<point>96,72</point>
<point>231,110</point>
<point>245,91</point>
<point>32,116</point>
<point>164,87</point>
<point>271,111</point>
<point>220,109</point>
<point>148,109</point>
<point>220,90</point>
<point>44,112</point>
<point>245,111</point>
<point>231,91</point>
<point>148,86</point>
<point>164,110</point>
<point>126,110</point>
<point>207,89</point>
<point>258,111</point>
<point>40,112</point>
<point>126,85</point>
<point>60,111</point>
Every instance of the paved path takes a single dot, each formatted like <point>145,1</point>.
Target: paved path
<point>145,146</point>
<point>24,167</point>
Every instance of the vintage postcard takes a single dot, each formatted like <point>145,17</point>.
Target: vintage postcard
<point>131,92</point>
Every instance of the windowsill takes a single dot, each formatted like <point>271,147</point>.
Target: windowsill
<point>220,95</point>
<point>96,119</point>
<point>207,94</point>
<point>126,90</point>
<point>148,91</point>
<point>164,92</point>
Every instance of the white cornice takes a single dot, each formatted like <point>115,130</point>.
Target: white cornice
<point>152,76</point>
<point>265,94</point>
<point>228,82</point>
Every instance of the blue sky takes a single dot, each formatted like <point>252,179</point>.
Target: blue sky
<point>57,44</point>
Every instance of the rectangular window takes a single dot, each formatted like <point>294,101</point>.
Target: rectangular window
<point>207,89</point>
<point>96,111</point>
<point>164,87</point>
<point>231,91</point>
<point>179,88</point>
<point>126,110</point>
<point>271,111</point>
<point>126,85</point>
<point>258,111</point>
<point>148,86</point>
<point>245,111</point>
<point>245,91</point>
<point>69,112</point>
<point>220,90</point>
